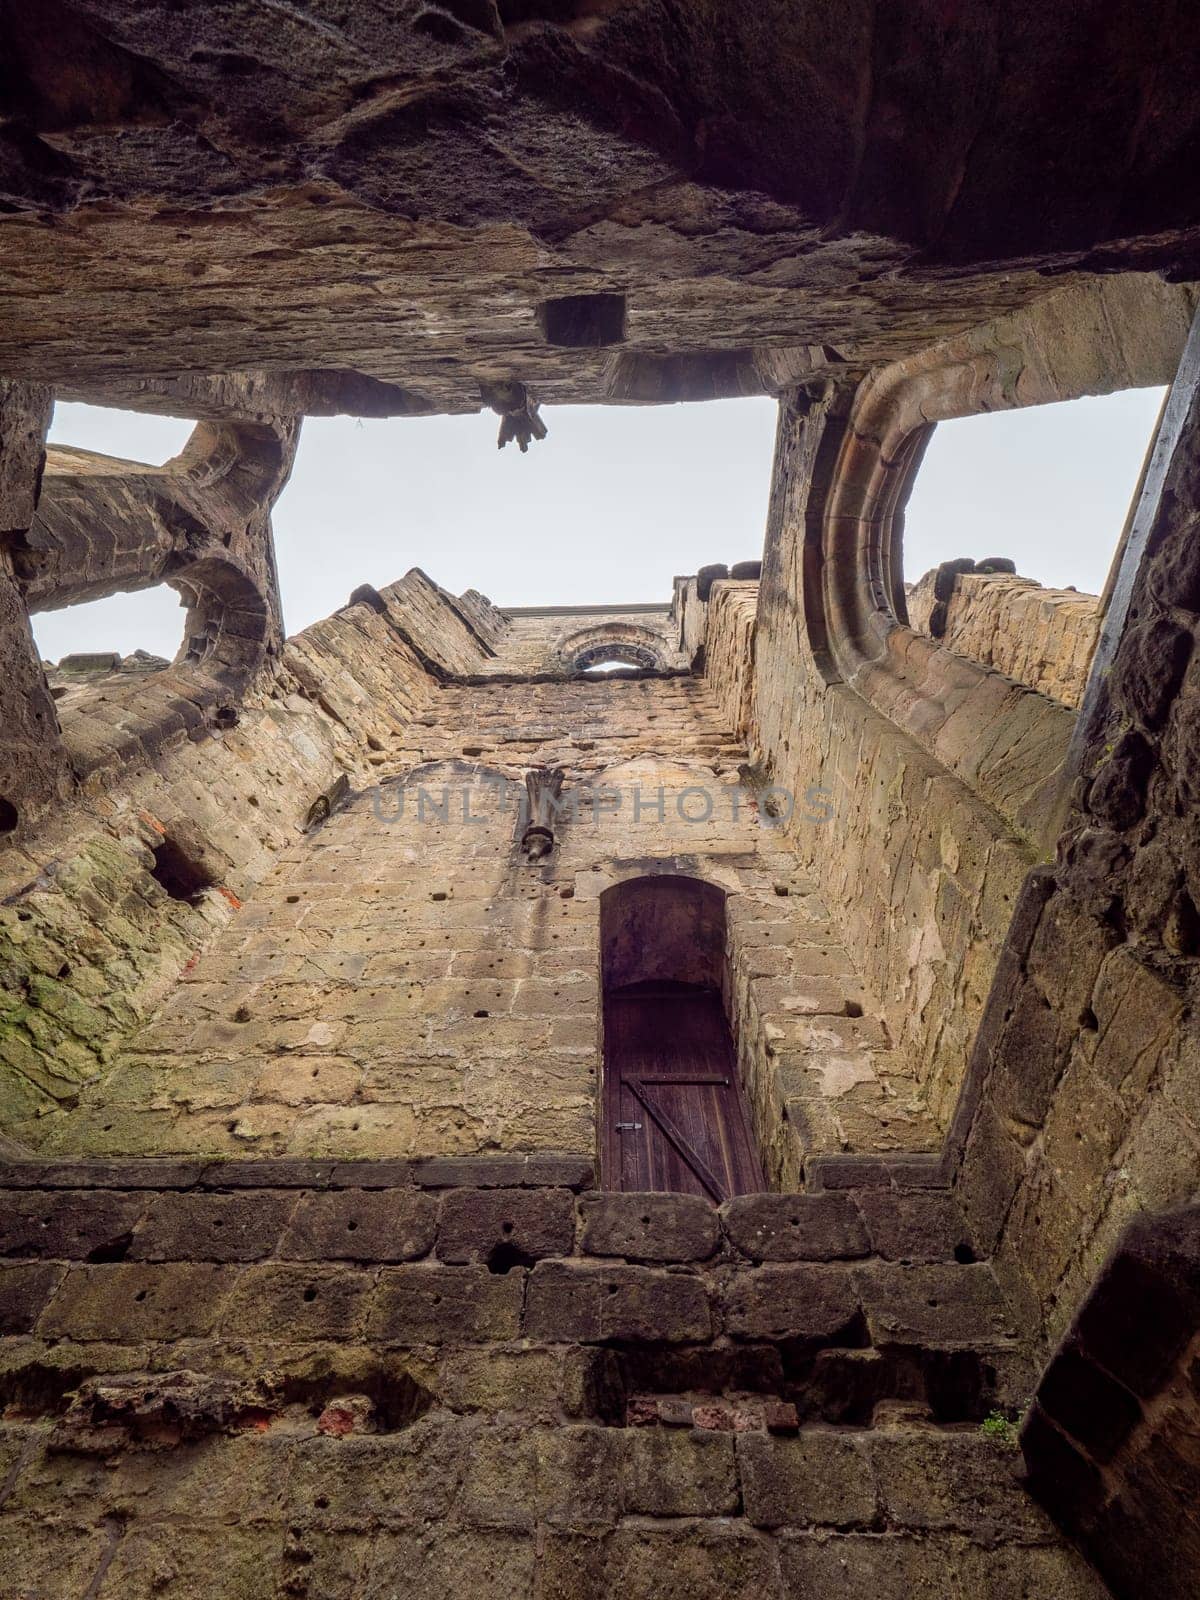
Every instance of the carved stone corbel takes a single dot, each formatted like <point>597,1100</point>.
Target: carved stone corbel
<point>543,785</point>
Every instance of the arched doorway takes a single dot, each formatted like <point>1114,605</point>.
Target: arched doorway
<point>674,1117</point>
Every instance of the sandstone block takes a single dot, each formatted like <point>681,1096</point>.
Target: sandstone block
<point>68,1224</point>
<point>505,1227</point>
<point>361,1225</point>
<point>392,1479</point>
<point>294,1304</point>
<point>814,1478</point>
<point>934,1305</point>
<point>24,1293</point>
<point>808,1302</point>
<point>680,1473</point>
<point>918,1225</point>
<point>648,1227</point>
<point>126,1303</point>
<point>430,1304</point>
<point>212,1227</point>
<point>591,1304</point>
<point>802,1227</point>
<point>956,1482</point>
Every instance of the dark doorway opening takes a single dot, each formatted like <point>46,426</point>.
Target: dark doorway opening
<point>674,1116</point>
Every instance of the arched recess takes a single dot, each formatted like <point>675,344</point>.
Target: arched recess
<point>672,1110</point>
<point>623,642</point>
<point>1096,339</point>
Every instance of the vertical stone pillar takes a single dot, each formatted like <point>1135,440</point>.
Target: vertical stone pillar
<point>33,765</point>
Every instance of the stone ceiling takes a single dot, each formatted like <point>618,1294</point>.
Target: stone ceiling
<point>405,191</point>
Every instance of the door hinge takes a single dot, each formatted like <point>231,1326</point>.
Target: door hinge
<point>622,1126</point>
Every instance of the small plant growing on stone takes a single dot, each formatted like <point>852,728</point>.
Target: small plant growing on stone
<point>996,1427</point>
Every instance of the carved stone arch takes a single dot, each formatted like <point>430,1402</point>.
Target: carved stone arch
<point>627,642</point>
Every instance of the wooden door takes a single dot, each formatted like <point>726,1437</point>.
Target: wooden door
<point>674,1114</point>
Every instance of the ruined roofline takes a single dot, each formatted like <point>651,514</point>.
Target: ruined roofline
<point>656,609</point>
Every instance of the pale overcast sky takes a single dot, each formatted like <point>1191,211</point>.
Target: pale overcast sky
<point>617,501</point>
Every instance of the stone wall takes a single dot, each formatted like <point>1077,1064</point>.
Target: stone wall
<point>1043,638</point>
<point>1082,1111</point>
<point>282,1378</point>
<point>90,941</point>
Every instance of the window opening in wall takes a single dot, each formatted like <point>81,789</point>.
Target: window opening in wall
<point>1011,529</point>
<point>127,435</point>
<point>606,510</point>
<point>673,1110</point>
<point>136,631</point>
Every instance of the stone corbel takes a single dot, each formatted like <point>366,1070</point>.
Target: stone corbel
<point>543,785</point>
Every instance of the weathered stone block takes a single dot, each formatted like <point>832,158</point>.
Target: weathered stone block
<point>592,1303</point>
<point>68,1224</point>
<point>814,1478</point>
<point>680,1473</point>
<point>143,1301</point>
<point>648,1227</point>
<point>294,1304</point>
<point>361,1225</point>
<point>389,1480</point>
<point>919,1225</point>
<point>24,1293</point>
<point>802,1227</point>
<point>820,1566</point>
<point>816,1303</point>
<point>443,1563</point>
<point>960,1482</point>
<point>505,1227</point>
<point>428,1304</point>
<point>212,1227</point>
<point>691,1561</point>
<point>934,1305</point>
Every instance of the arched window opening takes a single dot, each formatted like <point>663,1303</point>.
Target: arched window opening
<point>1011,530</point>
<point>611,655</point>
<point>135,631</point>
<point>135,436</point>
<point>674,1117</point>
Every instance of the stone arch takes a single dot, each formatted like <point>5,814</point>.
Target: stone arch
<point>855,613</point>
<point>611,641</point>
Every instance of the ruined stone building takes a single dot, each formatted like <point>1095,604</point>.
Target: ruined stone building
<point>475,1123</point>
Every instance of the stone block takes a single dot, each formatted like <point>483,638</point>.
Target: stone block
<point>134,1301</point>
<point>954,1482</point>
<point>801,1227</point>
<point>919,1225</point>
<point>821,1566</point>
<point>591,1304</point>
<point>808,1302</point>
<point>382,1480</point>
<point>1088,1404</point>
<point>212,1227</point>
<point>295,1304</point>
<point>431,1304</point>
<point>444,1563</point>
<point>67,1224</point>
<point>691,1561</point>
<point>361,1225</point>
<point>648,1227</point>
<point>680,1473</point>
<point>1029,1572</point>
<point>933,1305</point>
<point>814,1479</point>
<point>505,1227</point>
<point>24,1294</point>
<point>476,1172</point>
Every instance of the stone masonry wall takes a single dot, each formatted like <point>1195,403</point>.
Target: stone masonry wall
<point>90,942</point>
<point>1044,638</point>
<point>281,1379</point>
<point>404,982</point>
